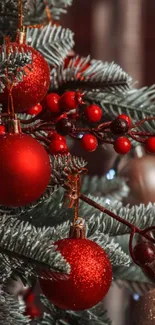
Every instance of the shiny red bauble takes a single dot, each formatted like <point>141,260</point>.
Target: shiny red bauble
<point>58,147</point>
<point>2,129</point>
<point>89,279</point>
<point>89,142</point>
<point>24,170</point>
<point>35,110</point>
<point>125,117</point>
<point>34,86</point>
<point>150,145</point>
<point>70,100</point>
<point>93,113</point>
<point>51,103</point>
<point>122,145</point>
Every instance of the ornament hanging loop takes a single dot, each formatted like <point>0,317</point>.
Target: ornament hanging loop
<point>21,32</point>
<point>73,185</point>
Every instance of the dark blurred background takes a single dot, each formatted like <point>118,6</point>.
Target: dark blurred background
<point>116,30</point>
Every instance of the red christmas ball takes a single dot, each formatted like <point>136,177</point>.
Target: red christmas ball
<point>2,129</point>
<point>33,88</point>
<point>125,117</point>
<point>89,142</point>
<point>55,136</point>
<point>93,113</point>
<point>58,147</point>
<point>51,103</point>
<point>89,280</point>
<point>122,145</point>
<point>70,100</point>
<point>24,170</point>
<point>150,145</point>
<point>35,110</point>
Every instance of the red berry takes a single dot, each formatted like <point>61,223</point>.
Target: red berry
<point>89,142</point>
<point>70,100</point>
<point>58,147</point>
<point>2,129</point>
<point>93,113</point>
<point>122,145</point>
<point>35,110</point>
<point>55,136</point>
<point>119,126</point>
<point>150,144</point>
<point>51,103</point>
<point>125,117</point>
<point>144,253</point>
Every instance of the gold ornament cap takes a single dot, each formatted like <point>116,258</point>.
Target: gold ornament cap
<point>78,229</point>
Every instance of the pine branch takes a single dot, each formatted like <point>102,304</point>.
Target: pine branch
<point>11,313</point>
<point>90,75</point>
<point>12,63</point>
<point>136,103</point>
<point>53,42</point>
<point>37,13</point>
<point>113,250</point>
<point>142,216</point>
<point>94,316</point>
<point>138,287</point>
<point>29,248</point>
<point>114,189</point>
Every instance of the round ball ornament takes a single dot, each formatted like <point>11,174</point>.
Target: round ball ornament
<point>144,311</point>
<point>34,86</point>
<point>140,175</point>
<point>89,279</point>
<point>24,169</point>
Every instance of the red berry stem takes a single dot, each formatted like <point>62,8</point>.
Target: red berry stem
<point>134,137</point>
<point>133,228</point>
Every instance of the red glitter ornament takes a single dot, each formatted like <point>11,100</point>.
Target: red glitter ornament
<point>35,110</point>
<point>58,147</point>
<point>34,86</point>
<point>122,145</point>
<point>24,169</point>
<point>89,142</point>
<point>89,280</point>
<point>93,113</point>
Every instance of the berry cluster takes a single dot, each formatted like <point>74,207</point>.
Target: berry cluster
<point>61,116</point>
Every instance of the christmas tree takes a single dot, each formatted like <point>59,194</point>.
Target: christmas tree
<point>69,231</point>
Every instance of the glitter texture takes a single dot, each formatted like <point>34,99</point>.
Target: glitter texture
<point>24,169</point>
<point>89,280</point>
<point>34,86</point>
<point>145,310</point>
